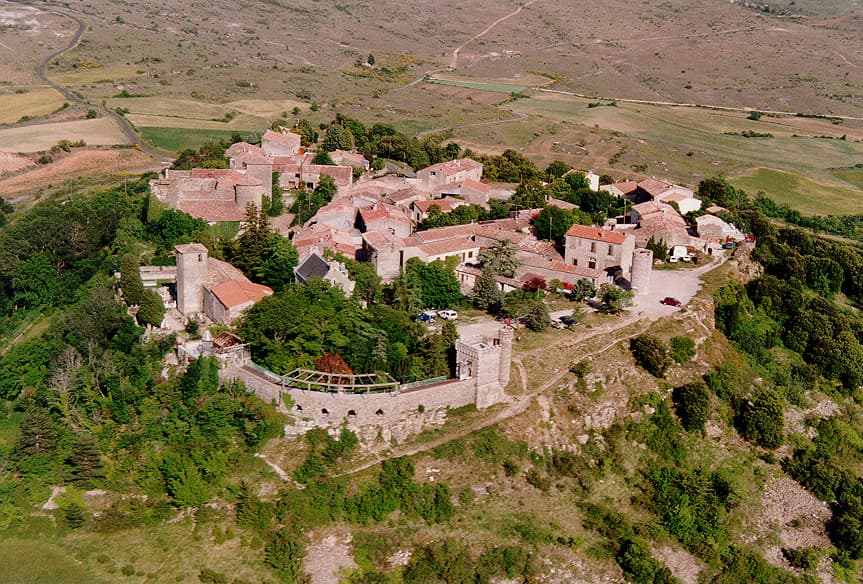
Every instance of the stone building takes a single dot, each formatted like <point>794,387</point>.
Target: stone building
<point>212,287</point>
<point>213,194</point>
<point>384,217</point>
<point>599,249</point>
<point>448,173</point>
<point>281,143</point>
<point>314,266</point>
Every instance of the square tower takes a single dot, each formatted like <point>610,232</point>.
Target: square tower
<point>191,274</point>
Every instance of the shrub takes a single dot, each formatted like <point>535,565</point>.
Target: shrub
<point>580,369</point>
<point>682,349</point>
<point>692,404</point>
<point>651,353</point>
<point>762,419</point>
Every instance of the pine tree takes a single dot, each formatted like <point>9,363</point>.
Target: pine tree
<point>74,516</point>
<point>151,309</point>
<point>486,293</point>
<point>130,279</point>
<point>337,138</point>
<point>38,435</point>
<point>500,258</point>
<point>85,461</point>
<point>277,204</point>
<point>379,353</point>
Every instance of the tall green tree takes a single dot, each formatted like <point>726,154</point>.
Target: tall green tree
<point>338,138</point>
<point>151,309</point>
<point>486,293</point>
<point>500,258</point>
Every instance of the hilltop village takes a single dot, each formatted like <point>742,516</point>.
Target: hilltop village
<point>449,214</point>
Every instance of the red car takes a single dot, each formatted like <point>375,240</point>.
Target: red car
<point>669,301</point>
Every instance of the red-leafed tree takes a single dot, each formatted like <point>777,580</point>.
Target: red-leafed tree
<point>333,363</point>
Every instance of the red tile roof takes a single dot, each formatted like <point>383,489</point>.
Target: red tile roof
<point>445,205</point>
<point>382,212</point>
<point>596,234</point>
<point>454,166</point>
<point>212,210</point>
<point>654,187</point>
<point>238,292</point>
<point>288,139</point>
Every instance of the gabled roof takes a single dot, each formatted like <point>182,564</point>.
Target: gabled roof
<point>445,205</point>
<point>238,292</point>
<point>212,210</point>
<point>447,246</point>
<point>454,166</point>
<point>288,139</point>
<point>654,187</point>
<point>382,212</point>
<point>595,234</point>
<point>313,266</point>
<point>379,239</point>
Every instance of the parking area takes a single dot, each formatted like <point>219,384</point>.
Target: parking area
<point>682,284</point>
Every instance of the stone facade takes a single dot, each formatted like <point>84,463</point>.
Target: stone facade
<point>447,173</point>
<point>599,249</point>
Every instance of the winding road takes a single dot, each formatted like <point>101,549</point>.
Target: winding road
<point>124,124</point>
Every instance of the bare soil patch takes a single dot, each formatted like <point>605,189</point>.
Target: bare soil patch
<point>328,556</point>
<point>13,163</point>
<point>79,163</point>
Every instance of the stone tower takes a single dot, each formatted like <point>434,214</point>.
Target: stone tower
<point>191,274</point>
<point>505,338</point>
<point>487,363</point>
<point>642,265</point>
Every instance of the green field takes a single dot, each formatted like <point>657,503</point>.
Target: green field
<point>28,561</point>
<point>853,176</point>
<point>177,139</point>
<point>801,193</point>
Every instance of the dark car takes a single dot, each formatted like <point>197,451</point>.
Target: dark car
<point>568,320</point>
<point>669,301</point>
<point>423,317</point>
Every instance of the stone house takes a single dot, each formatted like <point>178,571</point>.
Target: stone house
<point>621,189</point>
<point>281,143</point>
<point>384,217</point>
<point>472,191</point>
<point>210,194</point>
<point>350,158</point>
<point>420,209</point>
<point>213,287</point>
<point>599,249</point>
<point>666,192</point>
<point>711,227</point>
<point>314,266</point>
<point>447,173</point>
<point>662,223</point>
<point>385,251</point>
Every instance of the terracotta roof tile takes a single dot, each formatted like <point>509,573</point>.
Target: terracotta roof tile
<point>595,233</point>
<point>238,292</point>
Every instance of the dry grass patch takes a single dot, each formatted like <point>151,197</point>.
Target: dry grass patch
<point>36,102</point>
<point>82,76</point>
<point>96,132</point>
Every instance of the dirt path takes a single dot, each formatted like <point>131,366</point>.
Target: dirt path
<point>124,124</point>
<point>454,61</point>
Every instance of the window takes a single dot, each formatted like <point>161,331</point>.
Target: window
<point>352,414</point>
<point>470,254</point>
<point>575,262</point>
<point>379,413</point>
<point>610,250</point>
<point>591,264</point>
<point>592,247</point>
<point>325,412</point>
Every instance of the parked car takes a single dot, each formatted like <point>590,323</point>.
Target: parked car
<point>729,245</point>
<point>669,301</point>
<point>558,324</point>
<point>447,314</point>
<point>424,317</point>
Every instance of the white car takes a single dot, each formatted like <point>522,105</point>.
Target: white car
<point>447,314</point>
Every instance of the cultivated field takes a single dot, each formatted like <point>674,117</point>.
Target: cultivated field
<point>96,132</point>
<point>35,102</point>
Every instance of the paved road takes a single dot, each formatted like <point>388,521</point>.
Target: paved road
<point>124,124</point>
